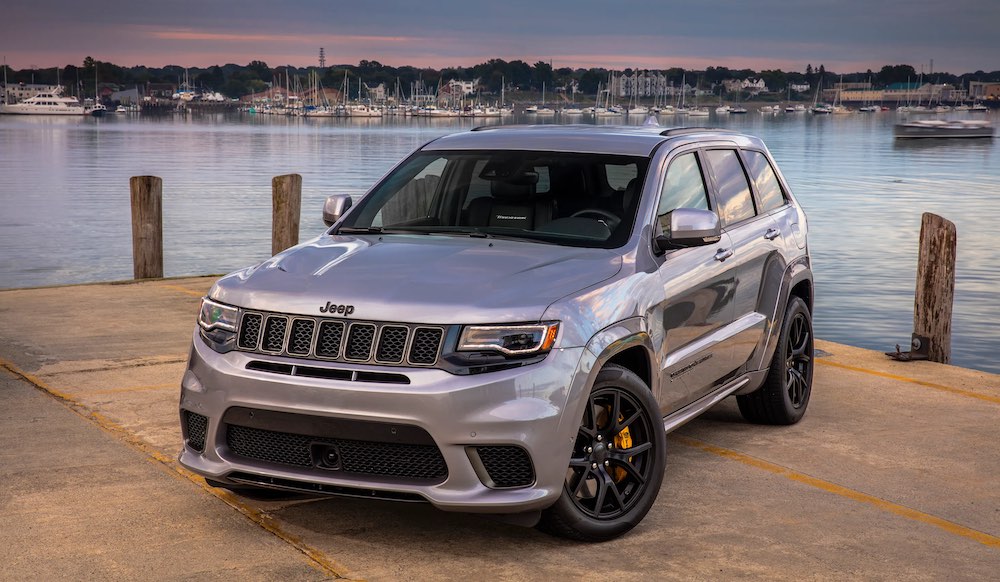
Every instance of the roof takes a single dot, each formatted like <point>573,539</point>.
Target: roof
<point>603,139</point>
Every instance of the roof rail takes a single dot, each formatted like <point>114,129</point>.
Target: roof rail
<point>687,130</point>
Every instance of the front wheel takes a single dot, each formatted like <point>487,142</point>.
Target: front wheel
<point>616,467</point>
<point>785,394</point>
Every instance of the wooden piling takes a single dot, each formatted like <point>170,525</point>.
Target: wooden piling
<point>286,197</point>
<point>147,226</point>
<point>935,291</point>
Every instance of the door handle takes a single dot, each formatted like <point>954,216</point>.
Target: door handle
<point>772,233</point>
<point>723,254</point>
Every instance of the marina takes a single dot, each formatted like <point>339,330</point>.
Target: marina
<point>66,189</point>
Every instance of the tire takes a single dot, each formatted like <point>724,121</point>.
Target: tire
<point>783,398</point>
<point>609,489</point>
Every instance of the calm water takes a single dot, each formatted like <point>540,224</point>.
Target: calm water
<point>65,214</point>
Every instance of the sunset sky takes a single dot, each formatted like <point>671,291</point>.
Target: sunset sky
<point>844,35</point>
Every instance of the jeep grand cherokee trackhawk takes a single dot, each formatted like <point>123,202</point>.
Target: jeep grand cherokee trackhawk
<point>509,322</point>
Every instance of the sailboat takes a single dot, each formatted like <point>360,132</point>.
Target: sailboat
<point>697,111</point>
<point>543,110</point>
<point>98,110</point>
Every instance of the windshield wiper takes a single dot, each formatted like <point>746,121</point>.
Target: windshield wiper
<point>377,230</point>
<point>359,230</point>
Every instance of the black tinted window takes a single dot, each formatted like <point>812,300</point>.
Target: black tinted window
<point>768,187</point>
<point>735,201</point>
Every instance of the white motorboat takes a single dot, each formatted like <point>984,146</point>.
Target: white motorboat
<point>53,103</point>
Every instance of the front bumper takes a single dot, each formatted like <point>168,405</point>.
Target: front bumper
<point>537,407</point>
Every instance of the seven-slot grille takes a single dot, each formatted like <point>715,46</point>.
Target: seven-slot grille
<point>338,340</point>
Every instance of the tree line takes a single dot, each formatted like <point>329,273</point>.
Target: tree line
<point>237,80</point>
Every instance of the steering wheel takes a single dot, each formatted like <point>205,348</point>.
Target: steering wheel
<point>600,214</point>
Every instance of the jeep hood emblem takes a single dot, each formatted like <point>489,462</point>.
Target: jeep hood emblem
<point>332,308</point>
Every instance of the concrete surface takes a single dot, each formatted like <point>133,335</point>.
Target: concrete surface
<point>893,474</point>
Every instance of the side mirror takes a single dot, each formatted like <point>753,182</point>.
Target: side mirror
<point>689,227</point>
<point>335,207</point>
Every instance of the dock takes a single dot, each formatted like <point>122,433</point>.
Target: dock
<point>893,474</point>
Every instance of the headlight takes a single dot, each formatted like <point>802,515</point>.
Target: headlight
<point>217,316</point>
<point>512,340</point>
<point>217,323</point>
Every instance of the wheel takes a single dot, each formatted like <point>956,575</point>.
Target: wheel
<point>785,394</point>
<point>608,218</point>
<point>616,467</point>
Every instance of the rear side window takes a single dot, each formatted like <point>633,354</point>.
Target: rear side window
<point>684,186</point>
<point>768,187</point>
<point>735,201</point>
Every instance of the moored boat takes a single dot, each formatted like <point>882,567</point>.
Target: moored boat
<point>964,128</point>
<point>52,103</point>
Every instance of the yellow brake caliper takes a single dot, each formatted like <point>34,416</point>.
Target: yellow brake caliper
<point>623,440</point>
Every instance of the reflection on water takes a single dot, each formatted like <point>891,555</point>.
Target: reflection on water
<point>66,216</point>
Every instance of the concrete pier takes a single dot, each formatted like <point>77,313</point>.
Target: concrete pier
<point>893,474</point>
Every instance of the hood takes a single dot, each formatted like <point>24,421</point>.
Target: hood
<point>418,278</point>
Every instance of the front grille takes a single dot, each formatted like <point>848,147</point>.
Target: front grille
<point>274,333</point>
<point>426,342</point>
<point>365,342</point>
<point>507,466</point>
<point>301,336</point>
<point>196,427</point>
<point>359,342</point>
<point>406,461</point>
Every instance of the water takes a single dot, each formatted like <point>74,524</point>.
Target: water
<point>66,218</point>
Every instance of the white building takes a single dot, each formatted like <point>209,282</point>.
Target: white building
<point>754,86</point>
<point>21,91</point>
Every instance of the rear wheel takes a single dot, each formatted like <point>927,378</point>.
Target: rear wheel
<point>616,467</point>
<point>785,394</point>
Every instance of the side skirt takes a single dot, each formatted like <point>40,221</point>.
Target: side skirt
<point>683,416</point>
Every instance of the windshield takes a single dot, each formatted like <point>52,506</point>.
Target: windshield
<point>585,200</point>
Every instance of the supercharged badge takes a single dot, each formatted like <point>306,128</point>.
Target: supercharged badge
<point>332,308</point>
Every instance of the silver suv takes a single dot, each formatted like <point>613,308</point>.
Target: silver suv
<point>509,322</point>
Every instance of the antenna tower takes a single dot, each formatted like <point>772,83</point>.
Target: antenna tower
<point>322,58</point>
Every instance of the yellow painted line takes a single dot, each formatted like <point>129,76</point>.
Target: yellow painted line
<point>877,502</point>
<point>128,389</point>
<point>183,290</point>
<point>317,558</point>
<point>942,387</point>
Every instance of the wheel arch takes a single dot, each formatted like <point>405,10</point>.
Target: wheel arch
<point>627,344</point>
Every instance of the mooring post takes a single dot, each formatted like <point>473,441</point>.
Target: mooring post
<point>286,197</point>
<point>147,226</point>
<point>935,292</point>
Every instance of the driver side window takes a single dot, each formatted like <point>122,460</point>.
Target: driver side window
<point>683,187</point>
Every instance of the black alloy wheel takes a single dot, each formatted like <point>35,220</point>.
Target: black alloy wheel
<point>784,396</point>
<point>616,467</point>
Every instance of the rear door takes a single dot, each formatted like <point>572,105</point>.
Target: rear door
<point>757,244</point>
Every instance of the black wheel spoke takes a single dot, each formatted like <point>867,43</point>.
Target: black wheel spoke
<point>602,490</point>
<point>632,451</point>
<point>582,480</point>
<point>616,407</point>
<point>619,426</point>
<point>615,492</point>
<point>631,469</point>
